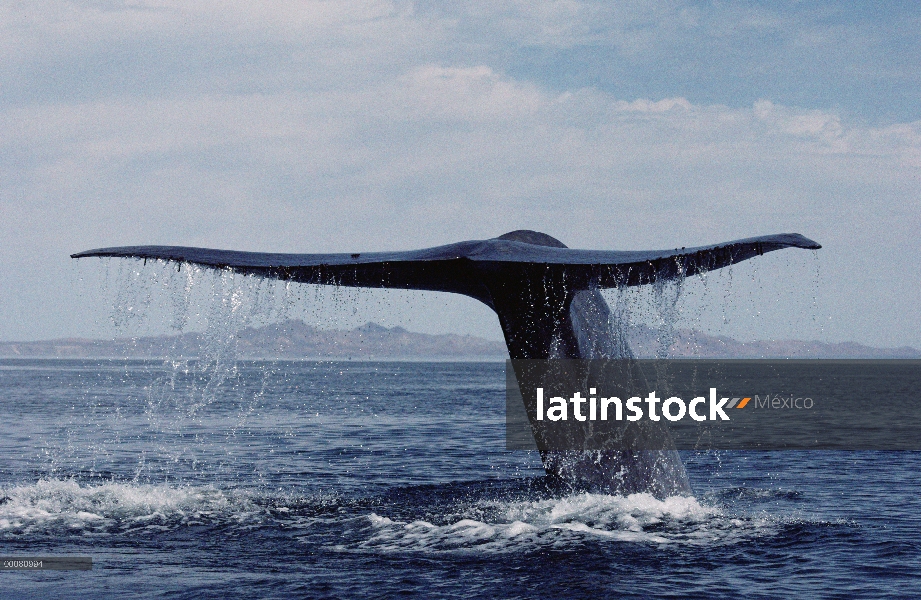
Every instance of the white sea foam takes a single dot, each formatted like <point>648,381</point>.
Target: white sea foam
<point>56,506</point>
<point>52,504</point>
<point>505,526</point>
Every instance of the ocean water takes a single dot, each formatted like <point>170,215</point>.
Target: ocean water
<point>362,479</point>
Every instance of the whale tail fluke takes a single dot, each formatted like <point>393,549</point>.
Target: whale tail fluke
<point>528,278</point>
<point>463,267</point>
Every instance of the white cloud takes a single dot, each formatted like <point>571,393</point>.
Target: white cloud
<point>471,94</point>
<point>645,105</point>
<point>434,131</point>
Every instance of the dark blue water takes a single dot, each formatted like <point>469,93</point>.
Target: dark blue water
<point>304,479</point>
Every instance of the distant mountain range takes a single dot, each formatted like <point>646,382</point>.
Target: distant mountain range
<point>689,343</point>
<point>296,340</point>
<point>286,340</point>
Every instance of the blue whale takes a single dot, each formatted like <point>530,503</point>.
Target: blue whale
<point>545,294</point>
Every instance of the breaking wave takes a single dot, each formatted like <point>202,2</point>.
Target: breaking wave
<point>53,505</point>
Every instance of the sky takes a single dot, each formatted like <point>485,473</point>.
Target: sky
<point>356,125</point>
